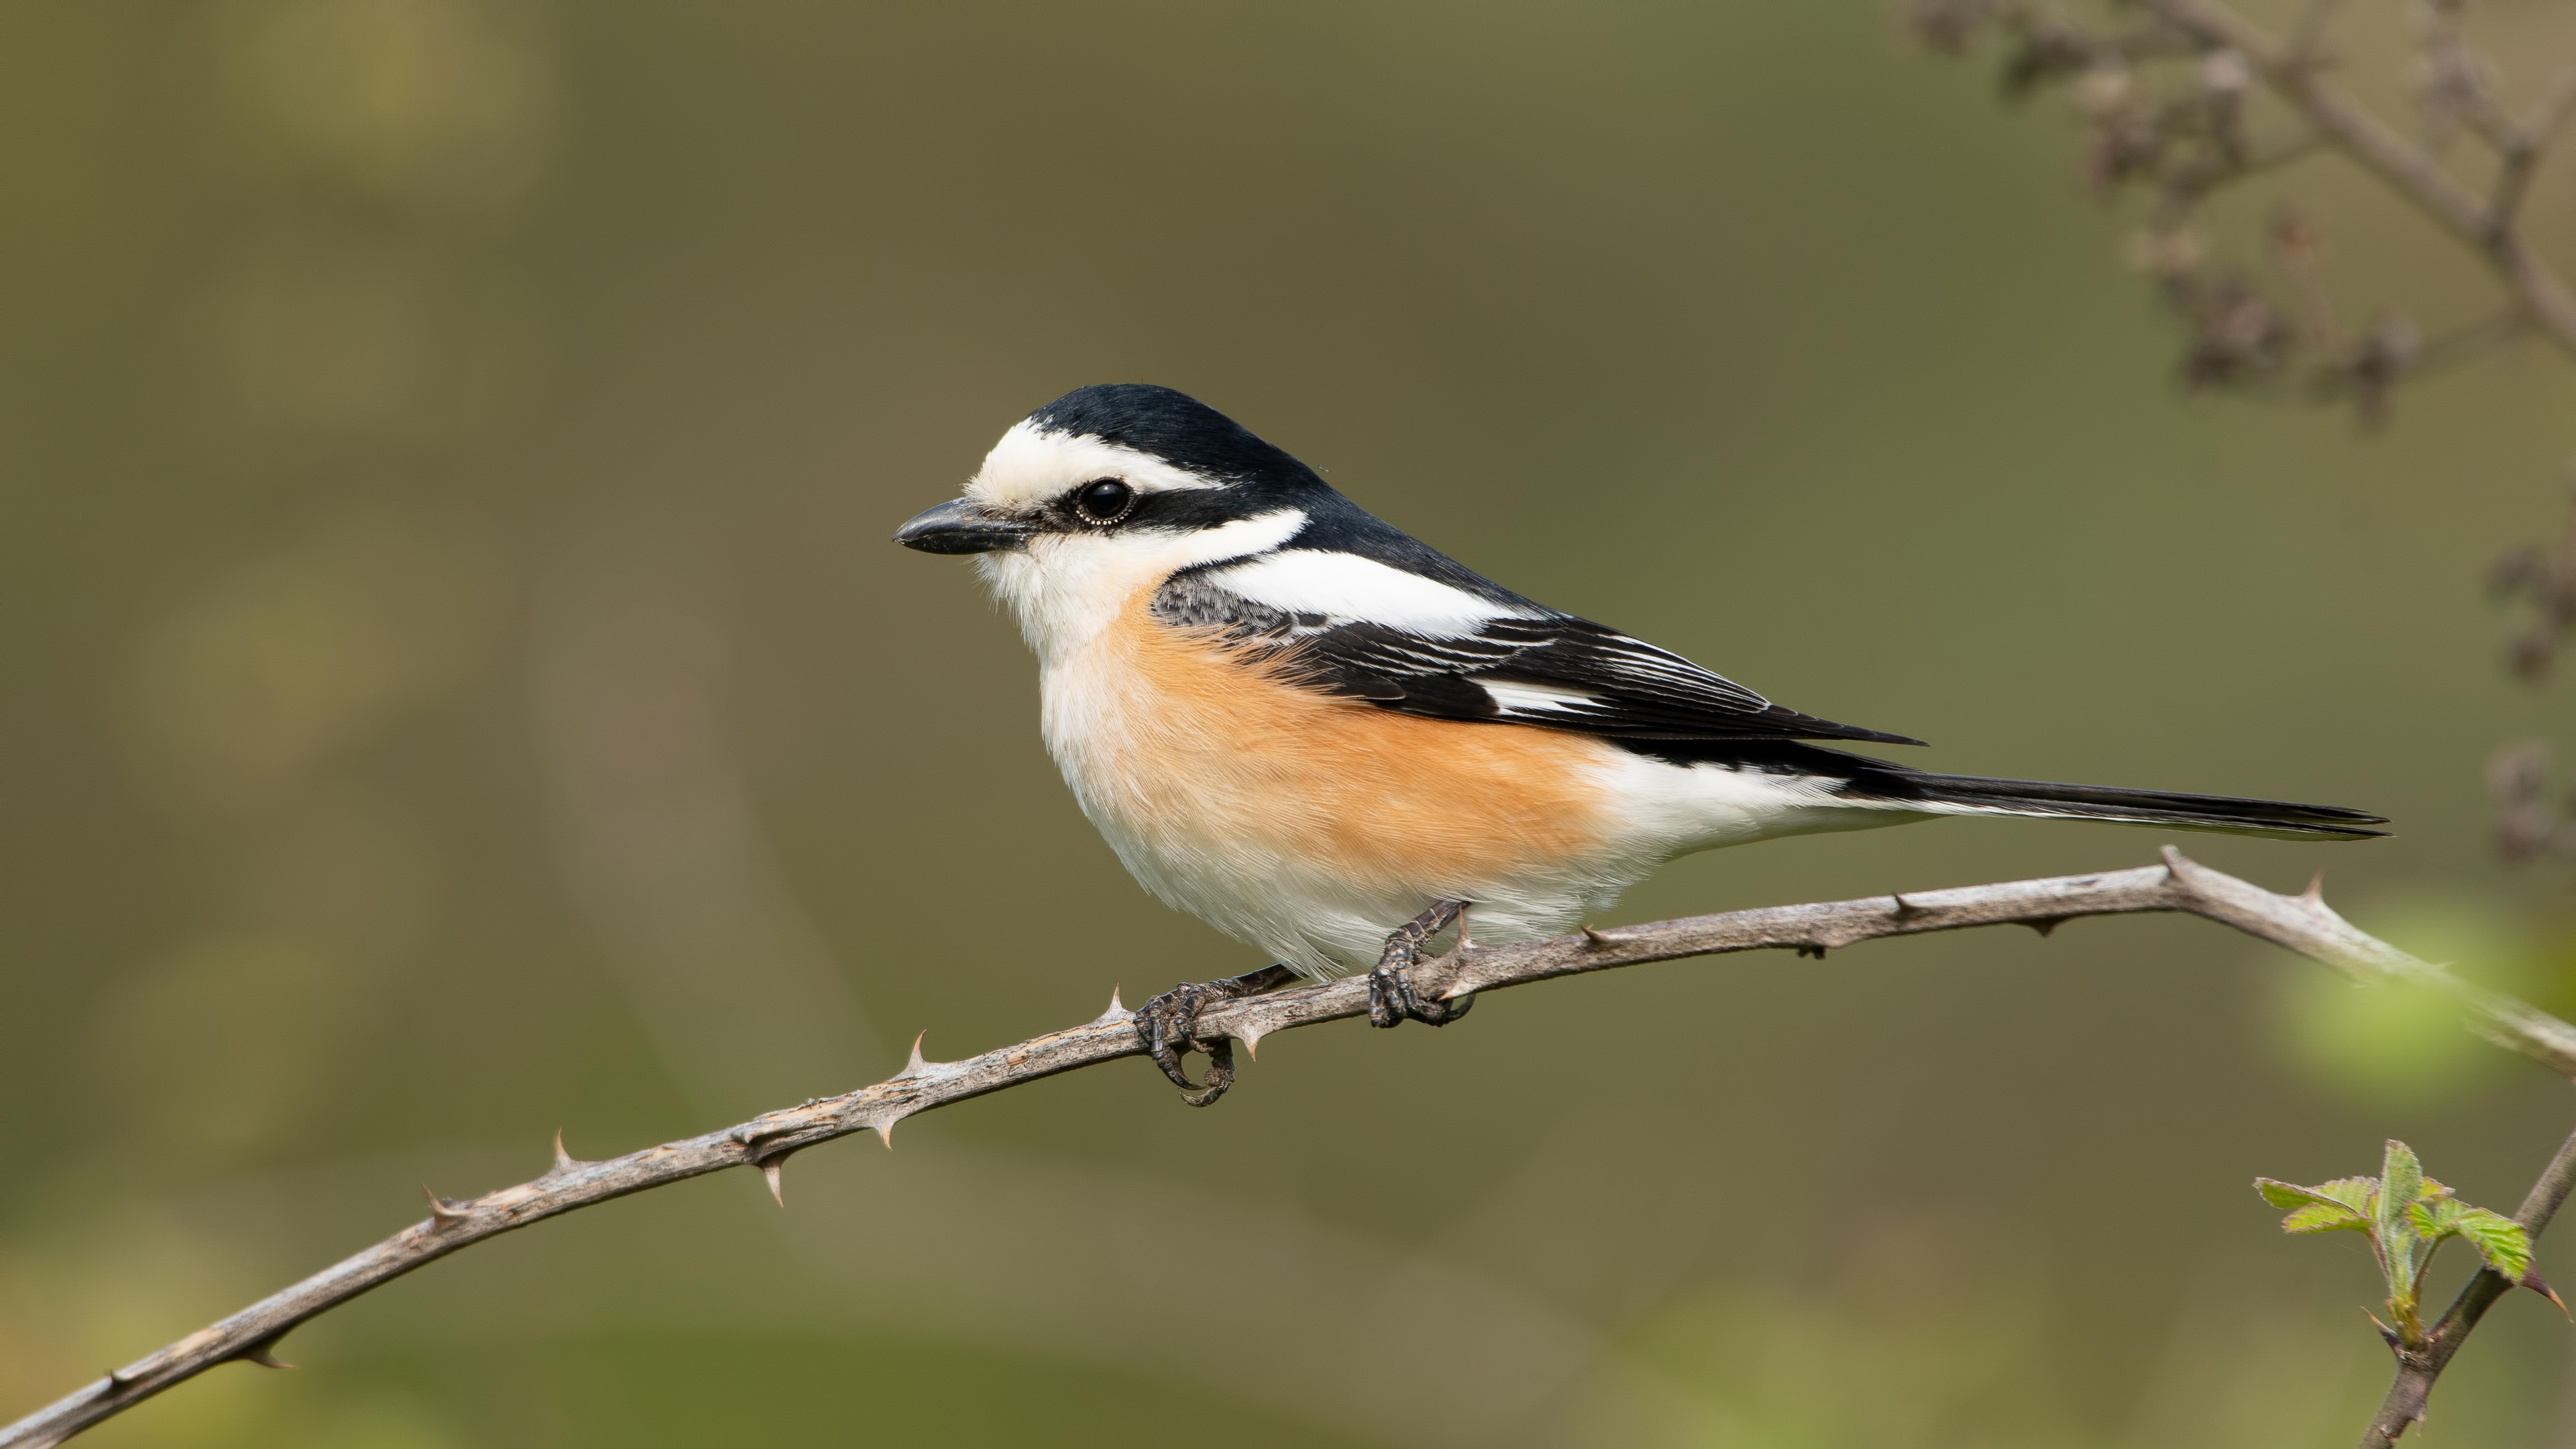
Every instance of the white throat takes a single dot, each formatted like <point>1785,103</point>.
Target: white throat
<point>1067,588</point>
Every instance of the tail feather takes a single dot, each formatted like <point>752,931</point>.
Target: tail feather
<point>1974,795</point>
<point>1866,780</point>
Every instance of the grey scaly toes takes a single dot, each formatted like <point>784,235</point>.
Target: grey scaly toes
<point>1168,1026</point>
<point>1392,999</point>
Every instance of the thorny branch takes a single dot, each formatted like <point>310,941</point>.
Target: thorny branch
<point>2302,923</point>
<point>2165,99</point>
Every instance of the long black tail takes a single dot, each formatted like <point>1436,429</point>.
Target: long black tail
<point>1863,780</point>
<point>1971,795</point>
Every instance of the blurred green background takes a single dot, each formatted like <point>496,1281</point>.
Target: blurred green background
<point>454,663</point>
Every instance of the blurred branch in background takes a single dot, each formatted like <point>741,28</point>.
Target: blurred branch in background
<point>2545,577</point>
<point>2301,923</point>
<point>2167,100</point>
<point>2532,819</point>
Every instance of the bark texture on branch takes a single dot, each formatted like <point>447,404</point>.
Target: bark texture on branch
<point>2301,923</point>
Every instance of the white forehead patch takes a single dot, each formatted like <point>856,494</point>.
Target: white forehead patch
<point>1029,466</point>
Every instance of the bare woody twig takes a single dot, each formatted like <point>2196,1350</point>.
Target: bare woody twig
<point>2302,923</point>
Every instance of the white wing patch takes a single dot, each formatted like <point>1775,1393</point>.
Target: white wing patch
<point>1536,698</point>
<point>1345,586</point>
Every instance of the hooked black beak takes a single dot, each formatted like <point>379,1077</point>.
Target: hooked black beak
<point>958,526</point>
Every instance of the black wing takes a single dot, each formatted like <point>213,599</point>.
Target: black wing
<point>1542,668</point>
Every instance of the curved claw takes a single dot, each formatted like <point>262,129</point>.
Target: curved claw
<point>1168,1025</point>
<point>1392,999</point>
<point>1393,1002</point>
<point>1220,1072</point>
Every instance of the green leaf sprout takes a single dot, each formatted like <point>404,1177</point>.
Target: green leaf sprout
<point>2406,1216</point>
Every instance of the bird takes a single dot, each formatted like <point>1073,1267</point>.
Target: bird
<point>1329,740</point>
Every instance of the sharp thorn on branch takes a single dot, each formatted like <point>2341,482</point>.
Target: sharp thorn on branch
<point>774,1172</point>
<point>264,1353</point>
<point>1593,935</point>
<point>564,1161</point>
<point>2537,1284</point>
<point>2316,891</point>
<point>1906,910</point>
<point>915,1066</point>
<point>2385,1331</point>
<point>443,1211</point>
<point>1117,1011</point>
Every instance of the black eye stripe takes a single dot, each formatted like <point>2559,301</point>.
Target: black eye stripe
<point>1103,501</point>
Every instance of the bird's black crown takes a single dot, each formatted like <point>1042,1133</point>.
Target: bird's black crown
<point>1172,426</point>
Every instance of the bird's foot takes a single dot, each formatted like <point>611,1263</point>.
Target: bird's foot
<point>1168,1025</point>
<point>1392,999</point>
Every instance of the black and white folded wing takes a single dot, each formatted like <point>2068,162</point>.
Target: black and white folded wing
<point>1444,643</point>
<point>1377,616</point>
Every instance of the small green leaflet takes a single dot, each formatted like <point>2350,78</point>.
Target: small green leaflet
<point>2499,1239</point>
<point>2406,1215</point>
<point>2392,1218</point>
<point>2324,1208</point>
<point>2325,1217</point>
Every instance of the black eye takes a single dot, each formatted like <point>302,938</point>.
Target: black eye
<point>1104,500</point>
